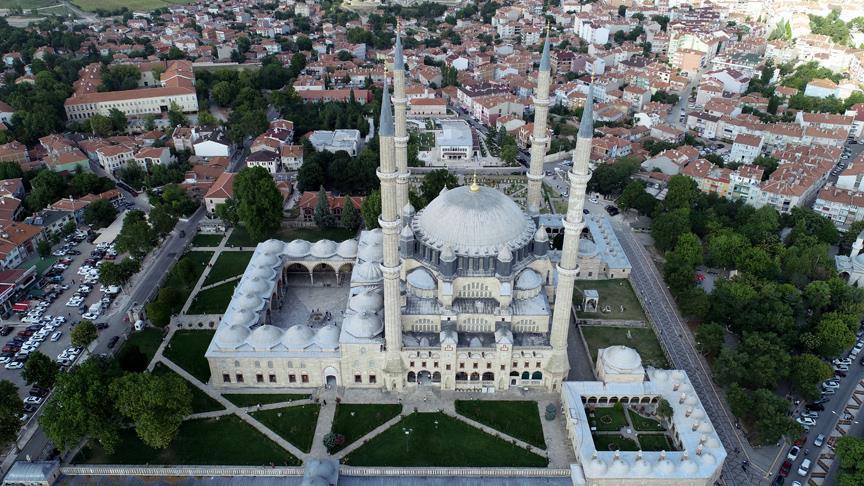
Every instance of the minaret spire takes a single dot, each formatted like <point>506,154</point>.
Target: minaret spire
<point>539,138</point>
<point>568,267</point>
<point>390,266</point>
<point>400,104</point>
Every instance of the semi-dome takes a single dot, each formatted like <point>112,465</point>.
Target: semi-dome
<point>265,337</point>
<point>622,358</point>
<point>528,279</point>
<point>420,278</point>
<point>297,248</point>
<point>367,272</point>
<point>473,222</point>
<point>231,336</point>
<point>363,325</point>
<point>688,466</point>
<point>297,336</point>
<point>327,337</point>
<point>323,249</point>
<point>347,249</point>
<point>368,301</point>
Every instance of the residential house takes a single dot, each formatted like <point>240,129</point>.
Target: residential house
<point>221,190</point>
<point>842,206</point>
<point>309,199</point>
<point>745,148</point>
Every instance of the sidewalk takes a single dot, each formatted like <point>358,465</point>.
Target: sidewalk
<point>217,250</point>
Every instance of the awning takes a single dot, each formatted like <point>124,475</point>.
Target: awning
<point>21,306</point>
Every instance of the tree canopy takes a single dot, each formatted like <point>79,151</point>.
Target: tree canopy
<point>259,202</point>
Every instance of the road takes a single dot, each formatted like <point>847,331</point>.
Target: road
<point>142,287</point>
<point>678,341</point>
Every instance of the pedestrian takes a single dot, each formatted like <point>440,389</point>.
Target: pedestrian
<point>325,403</point>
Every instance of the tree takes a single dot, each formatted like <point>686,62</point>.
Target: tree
<point>667,227</point>
<point>710,338</point>
<point>350,216</point>
<point>40,370</point>
<point>118,119</point>
<point>763,411</point>
<point>509,152</point>
<point>370,208</point>
<point>156,405</point>
<point>187,271</point>
<point>161,220</point>
<point>130,358</point>
<point>136,236</point>
<point>664,410</point>
<point>610,179</point>
<point>834,334</point>
<point>47,187</point>
<point>10,170</point>
<point>259,202</point>
<point>101,125</point>
<point>850,450</point>
<point>43,248</point>
<point>759,361</point>
<point>682,193</point>
<point>622,10</point>
<point>100,213</point>
<point>84,333</point>
<point>333,441</point>
<point>724,247</point>
<point>227,212</point>
<point>323,215</point>
<point>808,371</point>
<point>111,273</point>
<point>434,182</point>
<point>10,413</point>
<point>81,406</point>
<point>176,117</point>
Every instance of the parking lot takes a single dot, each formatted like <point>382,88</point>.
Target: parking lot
<point>48,308</point>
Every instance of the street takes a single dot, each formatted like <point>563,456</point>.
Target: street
<point>33,442</point>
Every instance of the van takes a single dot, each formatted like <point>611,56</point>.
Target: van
<point>95,308</point>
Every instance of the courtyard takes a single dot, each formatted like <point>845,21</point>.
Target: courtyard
<point>613,295</point>
<point>624,429</point>
<point>642,339</point>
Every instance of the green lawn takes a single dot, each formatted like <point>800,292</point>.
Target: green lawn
<point>655,442</point>
<point>187,349</point>
<point>200,259</point>
<point>435,439</point>
<point>614,442</point>
<point>224,440</point>
<point>201,402</point>
<point>228,264</point>
<point>147,341</point>
<point>240,237</point>
<point>252,399</point>
<point>518,419</point>
<point>607,418</point>
<point>93,5</point>
<point>213,300</point>
<point>644,424</point>
<point>207,239</point>
<point>642,339</point>
<point>294,424</point>
<point>354,420</point>
<point>614,293</point>
<point>28,4</point>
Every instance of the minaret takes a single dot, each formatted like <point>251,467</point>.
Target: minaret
<point>539,139</point>
<point>568,267</point>
<point>401,140</point>
<point>390,225</point>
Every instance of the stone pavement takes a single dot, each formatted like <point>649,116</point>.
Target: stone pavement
<point>217,250</point>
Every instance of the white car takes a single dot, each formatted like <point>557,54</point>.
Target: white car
<point>830,384</point>
<point>56,336</point>
<point>33,400</point>
<point>813,415</point>
<point>64,361</point>
<point>15,365</point>
<point>793,453</point>
<point>90,316</point>
<point>806,421</point>
<point>804,468</point>
<point>841,367</point>
<point>842,361</point>
<point>59,320</point>
<point>5,359</point>
<point>74,302</point>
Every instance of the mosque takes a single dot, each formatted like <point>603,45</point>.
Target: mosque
<point>460,295</point>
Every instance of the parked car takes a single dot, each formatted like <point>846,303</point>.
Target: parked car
<point>14,365</point>
<point>810,413</point>
<point>113,342</point>
<point>819,440</point>
<point>815,407</point>
<point>785,468</point>
<point>792,455</point>
<point>842,361</point>
<point>56,336</point>
<point>806,421</point>
<point>34,400</point>
<point>831,384</point>
<point>5,331</point>
<point>804,468</point>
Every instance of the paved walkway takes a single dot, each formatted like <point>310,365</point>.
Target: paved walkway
<point>200,283</point>
<point>325,424</point>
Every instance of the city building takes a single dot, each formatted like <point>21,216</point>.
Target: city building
<point>345,140</point>
<point>454,142</point>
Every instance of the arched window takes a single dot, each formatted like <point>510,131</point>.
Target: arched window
<point>526,375</point>
<point>461,376</point>
<point>436,377</point>
<point>475,376</point>
<point>514,373</point>
<point>537,375</point>
<point>488,376</point>
<point>412,378</point>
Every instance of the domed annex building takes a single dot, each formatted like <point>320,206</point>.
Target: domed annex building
<point>460,295</point>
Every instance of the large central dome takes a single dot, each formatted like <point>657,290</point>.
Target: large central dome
<point>473,222</point>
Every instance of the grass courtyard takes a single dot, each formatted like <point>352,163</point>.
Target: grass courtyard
<point>228,264</point>
<point>201,402</point>
<point>187,349</point>
<point>253,399</point>
<point>614,442</point>
<point>435,439</point>
<point>213,300</point>
<point>241,237</point>
<point>642,339</point>
<point>518,419</point>
<point>200,260</point>
<point>607,418</point>
<point>224,440</point>
<point>354,420</point>
<point>613,293</point>
<point>294,424</point>
<point>207,239</point>
<point>146,340</point>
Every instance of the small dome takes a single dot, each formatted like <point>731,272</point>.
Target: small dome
<point>371,253</point>
<point>541,234</point>
<point>665,466</point>
<point>622,358</point>
<point>504,254</point>
<point>372,237</point>
<point>408,210</point>
<point>327,337</point>
<point>367,301</point>
<point>323,249</point>
<point>297,248</point>
<point>231,336</point>
<point>347,249</point>
<point>660,375</point>
<point>688,466</point>
<point>618,468</point>
<point>263,273</point>
<point>265,337</point>
<point>587,248</point>
<point>265,260</point>
<point>712,443</point>
<point>297,336</point>
<point>272,247</point>
<point>420,278</point>
<point>528,280</point>
<point>240,317</point>
<point>249,302</point>
<point>447,254</point>
<point>254,285</point>
<point>367,272</point>
<point>363,325</point>
<point>596,467</point>
<point>707,458</point>
<point>641,467</point>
